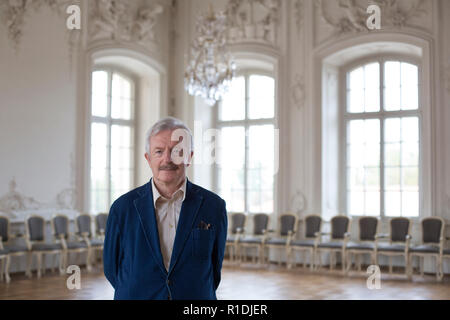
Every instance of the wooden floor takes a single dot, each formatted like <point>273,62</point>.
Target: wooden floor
<point>247,282</point>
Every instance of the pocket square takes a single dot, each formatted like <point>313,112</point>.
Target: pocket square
<point>204,226</point>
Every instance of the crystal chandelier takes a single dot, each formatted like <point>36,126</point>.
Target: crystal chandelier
<point>211,68</point>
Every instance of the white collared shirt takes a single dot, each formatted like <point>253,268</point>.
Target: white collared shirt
<point>167,215</point>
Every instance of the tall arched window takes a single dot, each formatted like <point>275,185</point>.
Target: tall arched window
<point>112,138</point>
<point>382,130</point>
<point>245,160</point>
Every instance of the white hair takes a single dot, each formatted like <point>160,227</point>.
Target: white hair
<point>168,123</point>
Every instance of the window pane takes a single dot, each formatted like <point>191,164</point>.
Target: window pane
<point>355,157</point>
<point>410,98</point>
<point>99,93</point>
<point>260,168</point>
<point>372,155</point>
<point>356,79</point>
<point>232,106</point>
<point>120,182</point>
<point>410,154</point>
<point>372,87</point>
<point>392,130</point>
<point>121,98</point>
<point>99,145</point>
<point>392,92</point>
<point>121,136</point>
<point>356,203</point>
<point>121,158</point>
<point>261,97</point>
<point>372,205</point>
<point>392,154</point>
<point>410,129</point>
<point>410,204</point>
<point>410,178</point>
<point>372,179</point>
<point>410,94</point>
<point>372,131</point>
<point>231,164</point>
<point>355,95</point>
<point>99,201</point>
<point>392,204</point>
<point>356,132</point>
<point>356,180</point>
<point>99,168</point>
<point>392,179</point>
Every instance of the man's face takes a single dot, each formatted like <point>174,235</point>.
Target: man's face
<point>161,159</point>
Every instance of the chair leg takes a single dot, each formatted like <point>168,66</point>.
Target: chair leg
<point>349,262</point>
<point>288,257</point>
<point>422,265</point>
<point>54,256</point>
<point>313,259</point>
<point>441,271</point>
<point>88,259</point>
<point>2,267</point>
<point>29,261</point>
<point>39,264</point>
<point>8,262</point>
<point>390,264</point>
<point>331,260</point>
<point>43,264</point>
<point>62,263</point>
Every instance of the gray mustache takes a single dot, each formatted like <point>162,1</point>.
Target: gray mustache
<point>168,167</point>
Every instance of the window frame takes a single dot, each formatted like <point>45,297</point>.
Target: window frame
<point>109,122</point>
<point>246,123</point>
<point>382,115</point>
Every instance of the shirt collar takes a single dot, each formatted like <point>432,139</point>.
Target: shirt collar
<point>157,195</point>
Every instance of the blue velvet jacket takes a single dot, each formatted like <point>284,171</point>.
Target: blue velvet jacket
<point>132,257</point>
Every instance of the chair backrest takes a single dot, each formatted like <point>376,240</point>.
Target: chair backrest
<point>84,223</point>
<point>260,223</point>
<point>339,226</point>
<point>313,224</point>
<point>368,227</point>
<point>432,229</point>
<point>35,228</point>
<point>237,221</point>
<point>288,222</point>
<point>60,224</point>
<point>399,229</point>
<point>100,222</point>
<point>4,228</point>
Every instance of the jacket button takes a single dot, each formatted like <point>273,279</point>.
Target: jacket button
<point>168,281</point>
<point>168,297</point>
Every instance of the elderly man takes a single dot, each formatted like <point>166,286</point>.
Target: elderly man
<point>166,239</point>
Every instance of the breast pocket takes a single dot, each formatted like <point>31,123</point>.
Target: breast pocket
<point>202,244</point>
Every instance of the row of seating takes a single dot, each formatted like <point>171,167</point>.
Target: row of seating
<point>63,243</point>
<point>396,243</point>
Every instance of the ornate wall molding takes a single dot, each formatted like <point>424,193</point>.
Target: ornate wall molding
<point>253,20</point>
<point>298,91</point>
<point>15,203</point>
<point>13,13</point>
<point>117,20</point>
<point>351,15</point>
<point>298,203</point>
<point>298,14</point>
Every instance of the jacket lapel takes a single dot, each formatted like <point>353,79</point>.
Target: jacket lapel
<point>189,211</point>
<point>146,211</point>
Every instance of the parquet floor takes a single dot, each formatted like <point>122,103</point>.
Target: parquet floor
<point>247,282</point>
